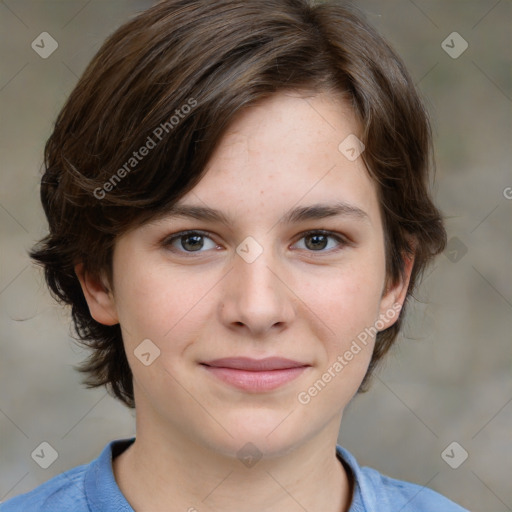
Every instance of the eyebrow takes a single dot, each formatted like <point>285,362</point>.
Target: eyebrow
<point>297,214</point>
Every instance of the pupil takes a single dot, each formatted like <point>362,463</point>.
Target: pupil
<point>195,245</point>
<point>318,241</point>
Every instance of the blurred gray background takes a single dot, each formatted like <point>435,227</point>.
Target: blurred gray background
<point>447,380</point>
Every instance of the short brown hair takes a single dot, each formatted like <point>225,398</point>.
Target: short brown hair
<point>218,57</point>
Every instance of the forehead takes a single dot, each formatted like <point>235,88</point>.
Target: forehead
<point>289,126</point>
<point>289,149</point>
<point>279,164</point>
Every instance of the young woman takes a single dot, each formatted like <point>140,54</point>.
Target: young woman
<point>237,195</point>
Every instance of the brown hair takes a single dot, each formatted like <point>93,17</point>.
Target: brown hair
<point>217,57</point>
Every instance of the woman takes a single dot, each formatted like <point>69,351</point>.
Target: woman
<point>238,208</point>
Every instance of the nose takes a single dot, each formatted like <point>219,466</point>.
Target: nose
<point>256,297</point>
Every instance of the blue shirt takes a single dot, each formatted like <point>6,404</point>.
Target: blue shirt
<point>92,488</point>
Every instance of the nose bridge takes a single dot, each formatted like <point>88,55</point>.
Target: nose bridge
<point>257,296</point>
<point>257,276</point>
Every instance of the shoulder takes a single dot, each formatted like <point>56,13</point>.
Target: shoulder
<point>374,491</point>
<point>61,493</point>
<point>411,497</point>
<point>86,488</point>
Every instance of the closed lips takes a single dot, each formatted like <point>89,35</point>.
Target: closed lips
<point>255,365</point>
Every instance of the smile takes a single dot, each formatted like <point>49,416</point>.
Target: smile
<point>255,375</point>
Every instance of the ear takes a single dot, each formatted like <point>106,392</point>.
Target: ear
<point>98,296</point>
<point>393,296</point>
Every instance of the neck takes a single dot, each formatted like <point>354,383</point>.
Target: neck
<point>171,473</point>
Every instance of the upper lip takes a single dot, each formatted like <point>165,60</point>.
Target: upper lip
<point>254,365</point>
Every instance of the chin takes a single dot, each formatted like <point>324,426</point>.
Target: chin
<point>261,431</point>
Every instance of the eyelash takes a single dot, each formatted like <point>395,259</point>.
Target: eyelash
<point>168,241</point>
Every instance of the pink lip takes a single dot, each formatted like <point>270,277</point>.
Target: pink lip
<point>255,375</point>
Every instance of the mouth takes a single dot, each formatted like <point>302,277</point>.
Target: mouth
<point>255,375</point>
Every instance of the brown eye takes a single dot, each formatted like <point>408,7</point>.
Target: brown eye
<point>319,241</point>
<point>316,242</point>
<point>189,242</point>
<point>192,242</point>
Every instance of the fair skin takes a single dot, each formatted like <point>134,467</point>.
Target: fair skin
<point>303,298</point>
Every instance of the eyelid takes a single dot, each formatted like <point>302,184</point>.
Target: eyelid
<point>188,232</point>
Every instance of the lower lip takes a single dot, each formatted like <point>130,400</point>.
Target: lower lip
<point>256,381</point>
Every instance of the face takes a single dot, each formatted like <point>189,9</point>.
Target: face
<point>261,296</point>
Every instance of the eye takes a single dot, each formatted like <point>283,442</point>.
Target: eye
<point>189,242</point>
<point>318,241</point>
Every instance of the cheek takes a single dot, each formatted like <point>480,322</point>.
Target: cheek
<point>155,303</point>
<point>348,304</point>
<point>348,300</point>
